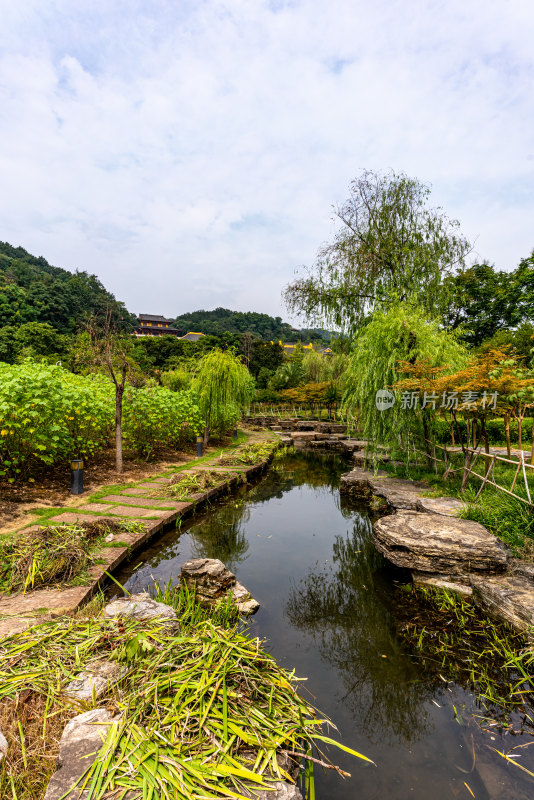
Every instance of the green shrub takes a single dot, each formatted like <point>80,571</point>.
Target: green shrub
<point>49,415</point>
<point>155,417</point>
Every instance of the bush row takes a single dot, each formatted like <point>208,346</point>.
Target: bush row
<point>495,428</point>
<point>49,415</point>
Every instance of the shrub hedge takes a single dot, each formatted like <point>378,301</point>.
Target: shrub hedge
<point>48,415</point>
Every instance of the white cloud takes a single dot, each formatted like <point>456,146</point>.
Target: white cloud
<point>189,154</point>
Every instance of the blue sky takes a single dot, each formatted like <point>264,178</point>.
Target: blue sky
<point>190,154</point>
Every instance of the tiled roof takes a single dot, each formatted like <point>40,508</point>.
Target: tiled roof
<point>153,318</point>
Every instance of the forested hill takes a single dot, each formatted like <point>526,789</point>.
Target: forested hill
<point>32,290</point>
<point>223,320</point>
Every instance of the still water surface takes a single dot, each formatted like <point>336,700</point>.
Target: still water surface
<point>329,609</point>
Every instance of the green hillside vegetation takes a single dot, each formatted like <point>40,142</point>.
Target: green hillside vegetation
<point>223,320</point>
<point>33,291</point>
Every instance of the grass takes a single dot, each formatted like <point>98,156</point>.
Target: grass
<point>54,554</point>
<point>451,638</point>
<point>184,488</point>
<point>249,454</point>
<point>204,708</point>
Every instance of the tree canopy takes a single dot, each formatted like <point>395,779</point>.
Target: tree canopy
<point>484,301</point>
<point>390,244</point>
<point>32,290</point>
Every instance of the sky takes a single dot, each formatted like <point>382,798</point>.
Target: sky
<point>190,153</point>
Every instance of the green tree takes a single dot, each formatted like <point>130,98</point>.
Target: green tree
<point>223,387</point>
<point>390,244</point>
<point>265,356</point>
<point>484,301</point>
<point>401,333</point>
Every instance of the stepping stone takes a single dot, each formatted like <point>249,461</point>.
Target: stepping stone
<point>448,506</point>
<point>70,516</point>
<point>507,597</point>
<point>131,511</point>
<point>151,502</point>
<point>438,544</point>
<point>100,507</point>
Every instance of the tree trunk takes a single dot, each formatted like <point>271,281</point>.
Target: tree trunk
<point>465,477</point>
<point>507,432</point>
<point>426,432</point>
<point>119,391</point>
<point>207,431</point>
<point>485,437</point>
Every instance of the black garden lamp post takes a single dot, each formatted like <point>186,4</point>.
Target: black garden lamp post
<point>199,445</point>
<point>76,476</point>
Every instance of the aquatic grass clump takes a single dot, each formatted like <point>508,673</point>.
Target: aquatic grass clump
<point>52,555</point>
<point>248,454</point>
<point>183,487</point>
<point>450,636</point>
<point>204,710</point>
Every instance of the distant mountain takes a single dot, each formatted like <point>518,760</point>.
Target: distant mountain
<point>222,320</point>
<point>32,290</point>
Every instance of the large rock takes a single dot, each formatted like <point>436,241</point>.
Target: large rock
<point>211,581</point>
<point>138,606</point>
<point>82,736</point>
<point>509,598</point>
<point>438,544</point>
<point>365,485</point>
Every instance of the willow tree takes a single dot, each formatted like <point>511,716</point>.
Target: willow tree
<point>389,243</point>
<point>400,333</point>
<point>223,387</point>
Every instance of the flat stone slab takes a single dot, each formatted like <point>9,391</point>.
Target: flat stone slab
<point>438,544</point>
<point>448,506</point>
<point>507,597</point>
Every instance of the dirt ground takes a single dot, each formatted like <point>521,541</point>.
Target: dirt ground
<point>52,487</point>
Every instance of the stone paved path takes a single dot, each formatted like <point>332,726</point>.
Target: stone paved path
<point>133,502</point>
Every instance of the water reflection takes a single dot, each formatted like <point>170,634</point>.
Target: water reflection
<point>345,608</point>
<point>223,535</point>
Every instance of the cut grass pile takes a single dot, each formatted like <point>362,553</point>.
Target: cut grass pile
<point>54,554</point>
<point>203,709</point>
<point>184,487</point>
<point>451,637</point>
<point>249,454</point>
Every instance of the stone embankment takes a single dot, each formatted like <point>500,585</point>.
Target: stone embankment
<point>426,536</point>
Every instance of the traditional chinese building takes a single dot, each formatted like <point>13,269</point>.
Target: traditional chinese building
<point>155,325</point>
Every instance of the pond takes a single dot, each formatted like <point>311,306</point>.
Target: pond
<point>331,608</point>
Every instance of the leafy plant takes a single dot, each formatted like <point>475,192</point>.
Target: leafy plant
<point>223,387</point>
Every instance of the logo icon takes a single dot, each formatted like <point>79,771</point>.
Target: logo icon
<point>384,399</point>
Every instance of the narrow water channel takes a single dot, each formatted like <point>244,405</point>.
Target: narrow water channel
<point>329,609</point>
